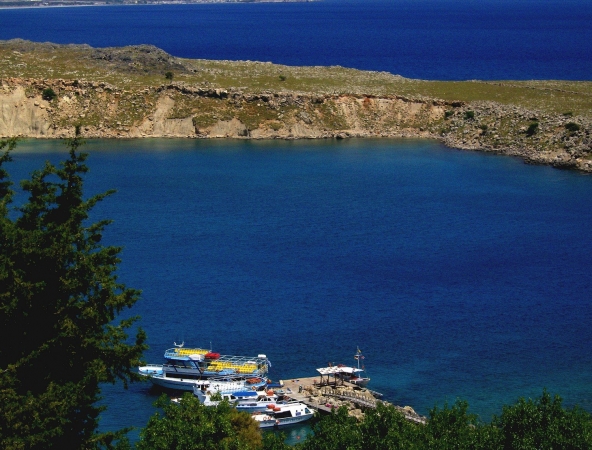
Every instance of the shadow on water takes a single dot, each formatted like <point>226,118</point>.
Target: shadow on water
<point>295,434</point>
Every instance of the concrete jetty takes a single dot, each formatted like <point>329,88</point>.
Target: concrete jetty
<point>324,396</point>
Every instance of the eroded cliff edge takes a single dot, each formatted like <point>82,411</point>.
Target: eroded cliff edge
<point>138,102</point>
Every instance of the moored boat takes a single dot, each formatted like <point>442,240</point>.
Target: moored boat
<point>354,375</point>
<point>264,402</point>
<point>230,397</point>
<point>184,366</point>
<point>358,375</point>
<point>281,415</point>
<point>230,388</point>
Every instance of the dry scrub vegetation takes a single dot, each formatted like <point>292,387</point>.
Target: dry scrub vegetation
<point>141,91</point>
<point>137,67</point>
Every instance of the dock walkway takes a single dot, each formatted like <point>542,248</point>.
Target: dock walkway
<point>307,389</point>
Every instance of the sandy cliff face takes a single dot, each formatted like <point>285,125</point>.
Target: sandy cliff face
<point>176,110</point>
<point>21,115</point>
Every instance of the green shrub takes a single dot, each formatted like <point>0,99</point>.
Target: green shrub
<point>448,114</point>
<point>169,76</point>
<point>282,78</point>
<point>469,115</point>
<point>48,94</point>
<point>532,128</point>
<point>572,126</point>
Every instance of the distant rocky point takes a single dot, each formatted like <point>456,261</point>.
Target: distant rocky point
<point>49,3</point>
<point>48,90</point>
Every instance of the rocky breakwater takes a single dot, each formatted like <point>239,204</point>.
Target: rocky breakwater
<point>356,401</point>
<point>53,108</point>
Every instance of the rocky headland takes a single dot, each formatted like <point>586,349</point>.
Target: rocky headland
<point>46,91</point>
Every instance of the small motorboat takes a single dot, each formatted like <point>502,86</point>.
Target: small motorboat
<point>281,415</point>
<point>264,402</point>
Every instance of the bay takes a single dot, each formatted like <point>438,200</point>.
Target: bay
<point>426,39</point>
<point>459,274</point>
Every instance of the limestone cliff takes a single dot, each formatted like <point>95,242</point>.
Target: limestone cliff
<point>180,110</point>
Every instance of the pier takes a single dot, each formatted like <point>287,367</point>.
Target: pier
<point>324,395</point>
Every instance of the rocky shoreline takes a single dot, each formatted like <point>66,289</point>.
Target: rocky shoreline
<point>177,110</point>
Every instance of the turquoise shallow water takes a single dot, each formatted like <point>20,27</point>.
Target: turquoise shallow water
<point>459,274</point>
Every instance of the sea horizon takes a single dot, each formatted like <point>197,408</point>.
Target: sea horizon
<point>431,39</point>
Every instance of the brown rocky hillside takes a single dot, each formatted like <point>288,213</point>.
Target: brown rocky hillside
<point>46,90</point>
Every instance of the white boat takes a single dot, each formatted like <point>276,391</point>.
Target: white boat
<point>265,401</point>
<point>231,398</point>
<point>354,375</point>
<point>162,380</point>
<point>184,366</point>
<point>231,388</point>
<point>281,415</point>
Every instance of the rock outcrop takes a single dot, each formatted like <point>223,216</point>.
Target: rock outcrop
<point>178,110</point>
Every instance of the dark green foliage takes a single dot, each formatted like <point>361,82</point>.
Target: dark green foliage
<point>386,428</point>
<point>335,431</point>
<point>453,428</point>
<point>469,115</point>
<point>190,425</point>
<point>216,397</point>
<point>282,78</point>
<point>169,76</point>
<point>543,424</point>
<point>572,127</point>
<point>532,128</point>
<point>448,114</point>
<point>528,425</point>
<point>48,94</point>
<point>275,441</point>
<point>5,183</point>
<point>59,299</point>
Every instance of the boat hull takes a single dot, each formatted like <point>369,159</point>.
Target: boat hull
<point>158,378</point>
<point>256,405</point>
<point>176,384</point>
<point>282,415</point>
<point>271,422</point>
<point>362,382</point>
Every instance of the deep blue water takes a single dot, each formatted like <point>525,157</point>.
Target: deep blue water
<point>429,39</point>
<point>459,274</point>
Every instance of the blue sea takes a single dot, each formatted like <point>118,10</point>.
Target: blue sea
<point>428,39</point>
<point>458,274</point>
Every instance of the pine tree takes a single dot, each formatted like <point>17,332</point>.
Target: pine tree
<point>60,336</point>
